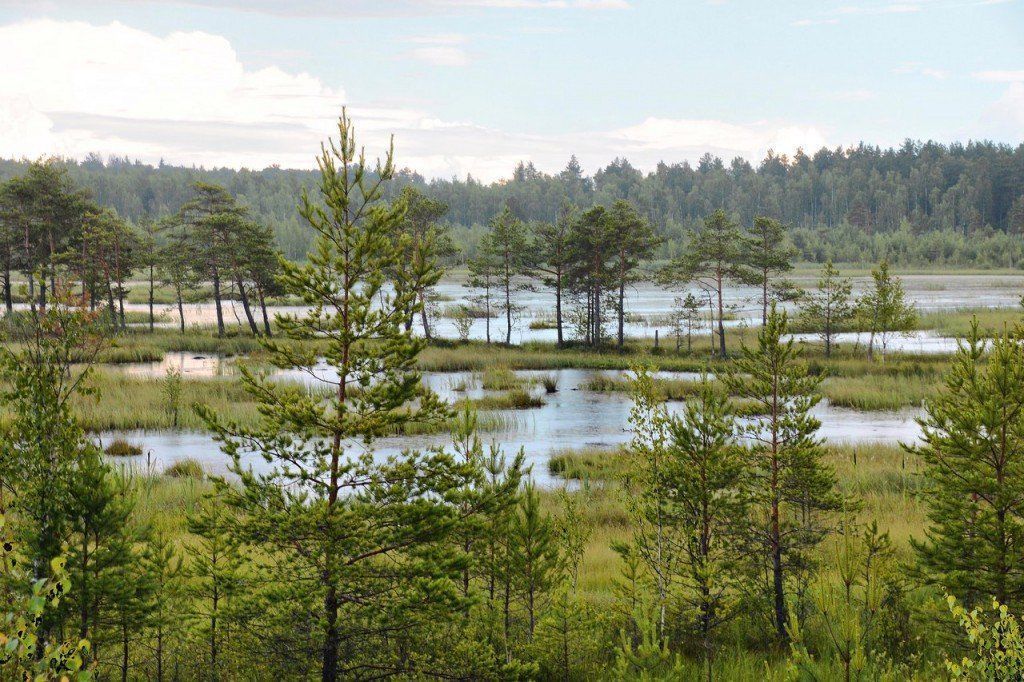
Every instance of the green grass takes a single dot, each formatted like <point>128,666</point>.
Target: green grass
<point>185,468</point>
<point>516,399</point>
<point>119,447</point>
<point>880,392</point>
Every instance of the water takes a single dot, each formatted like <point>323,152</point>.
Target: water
<point>570,418</point>
<point>649,304</point>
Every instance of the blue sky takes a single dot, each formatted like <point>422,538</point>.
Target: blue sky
<point>474,85</point>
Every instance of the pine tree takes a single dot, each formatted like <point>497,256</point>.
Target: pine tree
<point>791,491</point>
<point>554,253</point>
<point>829,308</point>
<point>714,256</point>
<point>591,272</point>
<point>634,241</point>
<point>536,554</point>
<point>163,565</point>
<point>368,535</point>
<point>215,577</point>
<point>973,448</point>
<point>705,478</point>
<point>483,275</point>
<point>769,255</point>
<point>428,243</point>
<point>510,255</point>
<point>212,218</point>
<point>685,318</point>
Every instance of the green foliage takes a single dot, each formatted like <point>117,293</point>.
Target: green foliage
<point>972,448</point>
<point>829,309</point>
<point>997,644</point>
<point>884,309</point>
<point>792,492</point>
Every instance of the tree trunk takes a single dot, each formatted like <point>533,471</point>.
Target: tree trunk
<point>721,323</point>
<point>329,672</point>
<point>622,309</point>
<point>216,299</point>
<point>124,649</point>
<point>558,306</point>
<point>152,286</point>
<point>263,309</point>
<point>181,309</point>
<point>424,317</point>
<point>245,306</point>
<point>8,299</point>
<point>764,299</point>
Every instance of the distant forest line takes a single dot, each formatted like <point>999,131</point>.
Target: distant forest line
<point>919,204</point>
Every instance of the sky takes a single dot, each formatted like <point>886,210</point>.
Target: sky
<point>474,86</point>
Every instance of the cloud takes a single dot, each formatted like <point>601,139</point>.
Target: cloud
<point>342,8</point>
<point>186,97</point>
<point>1001,76</point>
<point>814,22</point>
<point>919,69</point>
<point>440,50</point>
<point>1005,118</point>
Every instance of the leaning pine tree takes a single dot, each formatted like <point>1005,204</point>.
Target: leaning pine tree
<point>370,536</point>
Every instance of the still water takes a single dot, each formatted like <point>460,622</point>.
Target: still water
<point>572,417</point>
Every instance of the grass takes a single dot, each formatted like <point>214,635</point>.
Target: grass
<point>500,378</point>
<point>516,399</point>
<point>880,392</point>
<point>186,468</point>
<point>550,383</point>
<point>119,447</point>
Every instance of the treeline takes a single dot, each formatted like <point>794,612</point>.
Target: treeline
<point>923,203</point>
<point>52,230</point>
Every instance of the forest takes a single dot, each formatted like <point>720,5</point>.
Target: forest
<point>365,514</point>
<point>920,204</point>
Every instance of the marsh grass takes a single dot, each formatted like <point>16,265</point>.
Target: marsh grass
<point>880,392</point>
<point>500,378</point>
<point>186,468</point>
<point>119,447</point>
<point>516,399</point>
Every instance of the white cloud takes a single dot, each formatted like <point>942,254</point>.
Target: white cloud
<point>918,68</point>
<point>1001,76</point>
<point>1005,118</point>
<point>188,98</point>
<point>343,8</point>
<point>815,22</point>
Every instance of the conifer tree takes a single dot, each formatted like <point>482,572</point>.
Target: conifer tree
<point>428,243</point>
<point>634,241</point>
<point>592,268</point>
<point>510,255</point>
<point>791,491</point>
<point>553,258</point>
<point>714,256</point>
<point>483,275</point>
<point>830,307</point>
<point>973,448</point>
<point>705,476</point>
<point>369,535</point>
<point>769,256</point>
<point>163,565</point>
<point>536,557</point>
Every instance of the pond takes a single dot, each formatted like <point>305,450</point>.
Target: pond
<point>572,417</point>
